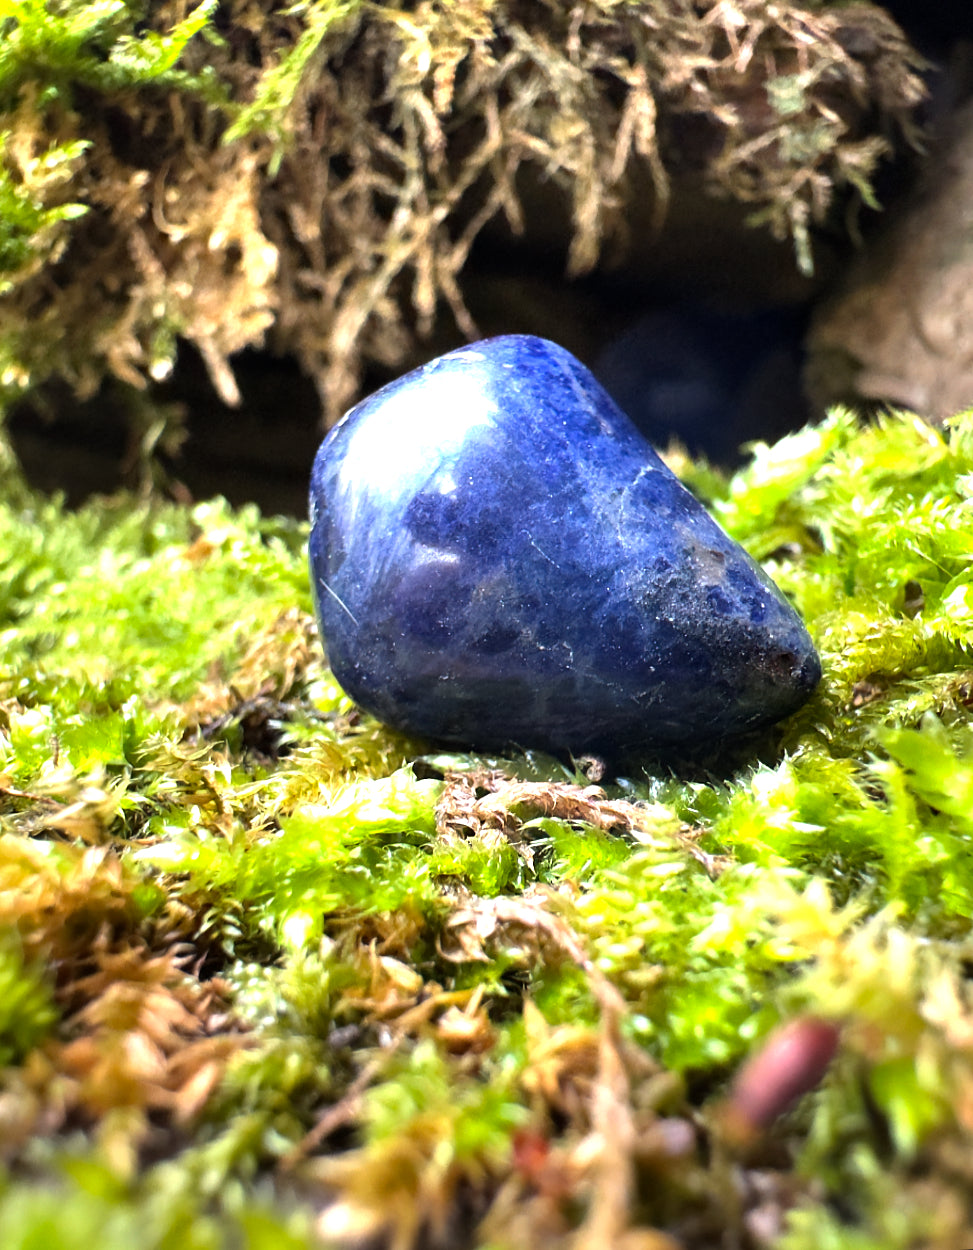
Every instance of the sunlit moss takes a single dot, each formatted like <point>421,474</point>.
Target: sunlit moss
<point>340,923</point>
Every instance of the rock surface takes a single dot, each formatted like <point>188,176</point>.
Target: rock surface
<point>900,332</point>
<point>499,558</point>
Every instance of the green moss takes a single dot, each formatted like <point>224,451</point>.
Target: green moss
<point>48,55</point>
<point>89,1205</point>
<point>574,853</point>
<point>365,850</point>
<point>25,222</point>
<point>104,46</point>
<point>27,1012</point>
<point>112,601</point>
<point>270,111</point>
<point>471,1120</point>
<point>402,1003</point>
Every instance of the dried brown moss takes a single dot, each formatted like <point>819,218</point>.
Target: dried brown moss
<point>322,183</point>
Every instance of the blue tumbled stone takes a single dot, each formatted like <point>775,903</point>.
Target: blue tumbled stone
<point>499,558</point>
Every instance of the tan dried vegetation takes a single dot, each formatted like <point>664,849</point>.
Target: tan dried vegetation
<point>336,221</point>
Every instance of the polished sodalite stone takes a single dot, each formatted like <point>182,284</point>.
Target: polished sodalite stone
<point>499,558</point>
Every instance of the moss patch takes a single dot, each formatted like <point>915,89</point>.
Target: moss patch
<point>321,170</point>
<point>272,973</point>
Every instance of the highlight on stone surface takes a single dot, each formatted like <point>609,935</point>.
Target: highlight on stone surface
<point>498,558</point>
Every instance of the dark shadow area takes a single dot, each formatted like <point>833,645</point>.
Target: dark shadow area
<point>260,452</point>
